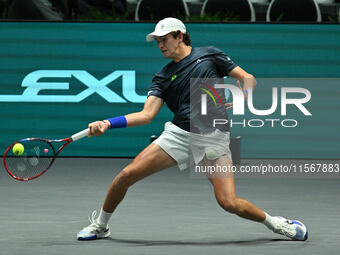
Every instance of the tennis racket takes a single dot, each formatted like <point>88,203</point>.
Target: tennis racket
<point>37,157</point>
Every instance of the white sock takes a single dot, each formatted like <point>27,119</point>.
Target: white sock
<point>269,221</point>
<point>103,218</point>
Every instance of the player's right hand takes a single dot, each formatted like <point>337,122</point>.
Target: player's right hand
<point>98,128</point>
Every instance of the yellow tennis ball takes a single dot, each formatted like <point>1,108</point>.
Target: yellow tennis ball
<point>18,149</point>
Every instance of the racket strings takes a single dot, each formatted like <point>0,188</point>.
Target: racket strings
<point>36,158</point>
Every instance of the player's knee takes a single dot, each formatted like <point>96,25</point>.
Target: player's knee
<point>131,173</point>
<point>126,178</point>
<point>227,203</point>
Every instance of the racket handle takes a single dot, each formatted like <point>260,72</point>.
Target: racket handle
<point>80,135</point>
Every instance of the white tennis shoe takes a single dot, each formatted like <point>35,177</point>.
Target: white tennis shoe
<point>293,229</point>
<point>94,230</point>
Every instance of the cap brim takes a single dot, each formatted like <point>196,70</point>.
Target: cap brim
<point>150,37</point>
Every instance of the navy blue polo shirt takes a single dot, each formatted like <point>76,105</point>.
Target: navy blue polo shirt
<point>172,84</point>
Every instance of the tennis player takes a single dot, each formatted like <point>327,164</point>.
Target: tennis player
<point>172,86</point>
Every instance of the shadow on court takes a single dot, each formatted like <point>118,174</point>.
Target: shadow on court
<point>197,243</point>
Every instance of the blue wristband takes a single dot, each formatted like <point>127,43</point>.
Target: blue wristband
<point>246,92</point>
<point>118,122</point>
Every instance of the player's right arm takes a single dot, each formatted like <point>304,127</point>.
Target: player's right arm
<point>151,107</point>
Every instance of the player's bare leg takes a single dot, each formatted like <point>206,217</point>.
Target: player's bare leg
<point>151,160</point>
<point>224,188</point>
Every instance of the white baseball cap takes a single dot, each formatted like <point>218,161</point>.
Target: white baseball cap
<point>166,26</point>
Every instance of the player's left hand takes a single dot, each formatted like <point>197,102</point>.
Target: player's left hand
<point>245,94</point>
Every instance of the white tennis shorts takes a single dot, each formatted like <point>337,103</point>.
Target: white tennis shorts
<point>181,145</point>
